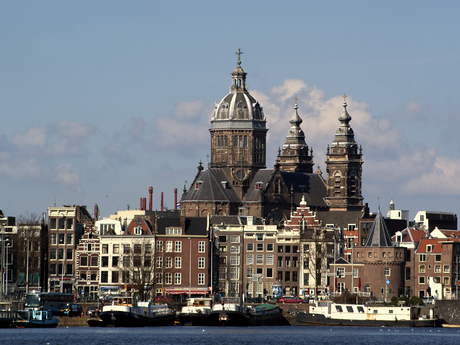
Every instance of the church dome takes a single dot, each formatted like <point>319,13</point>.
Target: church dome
<point>238,104</point>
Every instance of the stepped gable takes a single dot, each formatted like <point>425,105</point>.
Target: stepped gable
<point>378,235</point>
<point>211,185</point>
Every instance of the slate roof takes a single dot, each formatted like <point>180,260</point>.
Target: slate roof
<point>378,235</point>
<point>340,218</point>
<point>211,188</point>
<point>193,225</point>
<point>304,184</point>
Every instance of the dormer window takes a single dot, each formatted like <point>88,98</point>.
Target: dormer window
<point>198,184</point>
<point>224,184</point>
<point>258,185</point>
<point>429,248</point>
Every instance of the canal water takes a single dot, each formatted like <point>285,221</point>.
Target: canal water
<point>231,335</point>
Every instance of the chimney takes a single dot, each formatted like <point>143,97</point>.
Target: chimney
<point>175,198</point>
<point>150,198</point>
<point>96,212</point>
<point>144,204</point>
<point>140,207</point>
<point>162,201</point>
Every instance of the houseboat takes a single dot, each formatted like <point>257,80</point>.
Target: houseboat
<point>197,312</point>
<point>125,312</point>
<point>328,313</point>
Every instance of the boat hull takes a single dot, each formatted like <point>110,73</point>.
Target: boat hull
<point>126,319</point>
<point>31,324</point>
<point>321,320</point>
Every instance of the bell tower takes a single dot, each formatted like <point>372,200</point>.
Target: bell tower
<point>344,168</point>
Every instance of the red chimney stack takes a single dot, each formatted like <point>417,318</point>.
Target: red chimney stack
<point>150,197</point>
<point>175,198</point>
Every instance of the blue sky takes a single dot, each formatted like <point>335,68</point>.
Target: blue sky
<point>102,99</point>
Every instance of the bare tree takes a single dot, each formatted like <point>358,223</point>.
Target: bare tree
<point>30,243</point>
<point>138,268</point>
<point>317,253</point>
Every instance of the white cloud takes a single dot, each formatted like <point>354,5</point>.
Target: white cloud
<point>35,137</point>
<point>68,177</point>
<point>74,131</point>
<point>18,168</point>
<point>413,108</point>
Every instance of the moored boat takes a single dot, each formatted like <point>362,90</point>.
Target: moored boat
<point>35,319</point>
<point>197,312</point>
<point>124,312</point>
<point>328,313</point>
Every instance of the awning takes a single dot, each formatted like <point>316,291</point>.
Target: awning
<point>192,291</point>
<point>109,288</point>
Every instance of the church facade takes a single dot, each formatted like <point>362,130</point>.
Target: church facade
<point>237,181</point>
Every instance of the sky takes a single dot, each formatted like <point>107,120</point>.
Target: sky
<point>101,99</point>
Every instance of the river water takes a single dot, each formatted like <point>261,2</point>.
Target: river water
<point>231,335</point>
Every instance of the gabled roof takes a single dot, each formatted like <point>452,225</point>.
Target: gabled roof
<point>436,245</point>
<point>411,235</point>
<point>144,224</point>
<point>212,185</point>
<point>311,186</point>
<point>378,235</point>
<point>227,220</point>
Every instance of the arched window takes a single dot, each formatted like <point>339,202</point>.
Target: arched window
<point>245,141</point>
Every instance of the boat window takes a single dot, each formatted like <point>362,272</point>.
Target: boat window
<point>349,308</point>
<point>360,309</point>
<point>390,311</point>
<point>339,308</point>
<point>376,311</point>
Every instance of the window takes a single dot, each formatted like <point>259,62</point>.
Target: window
<point>200,278</point>
<point>280,261</point>
<point>88,247</point>
<point>126,261</point>
<point>446,280</point>
<point>114,276</point>
<point>114,261</point>
<point>306,279</point>
<point>249,272</point>
<point>116,248</point>
<point>429,248</point>
<point>61,254</point>
<point>53,223</point>
<point>269,259</point>
<point>52,238</point>
<point>137,248</point>
<point>83,261</point>
<point>178,246</point>
<point>269,247</point>
<point>201,247</point>
<point>446,268</point>
<point>234,273</point>
<point>105,261</point>
<point>53,254</point>
<point>421,269</point>
<point>173,231</point>
<point>287,261</point>
<point>249,247</point>
<point>168,278</point>
<point>94,261</point>
<point>168,246</point>
<point>178,262</point>
<point>422,257</point>
<point>340,287</point>
<point>421,280</point>
<point>269,272</point>
<point>223,249</point>
<point>126,249</point>
<point>341,272</point>
<point>147,261</point>
<point>234,260</point>
<point>158,278</point>
<point>201,262</point>
<point>235,239</point>
<point>437,268</point>
<point>53,269</point>
<point>61,238</point>
<point>355,273</point>
<point>234,249</point>
<point>249,259</point>
<point>104,277</point>
<point>69,239</point>
<point>93,276</point>
<point>61,222</point>
<point>83,276</point>
<point>387,272</point>
<point>260,247</point>
<point>260,259</point>
<point>159,246</point>
<point>288,249</point>
<point>222,238</point>
<point>168,262</point>
<point>159,262</point>
<point>437,258</point>
<point>105,248</point>
<point>69,254</point>
<point>177,279</point>
<point>287,276</point>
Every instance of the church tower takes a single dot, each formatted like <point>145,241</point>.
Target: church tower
<point>295,156</point>
<point>238,134</point>
<point>344,168</point>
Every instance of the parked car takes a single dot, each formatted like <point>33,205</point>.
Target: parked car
<point>291,299</point>
<point>70,309</point>
<point>93,310</point>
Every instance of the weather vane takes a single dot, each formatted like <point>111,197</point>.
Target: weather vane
<point>344,98</point>
<point>239,52</point>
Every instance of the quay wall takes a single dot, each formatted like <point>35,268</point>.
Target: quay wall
<point>448,311</point>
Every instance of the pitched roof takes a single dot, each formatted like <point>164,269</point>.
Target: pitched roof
<point>378,235</point>
<point>212,185</point>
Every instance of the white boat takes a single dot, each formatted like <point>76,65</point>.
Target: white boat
<point>197,312</point>
<point>124,312</point>
<point>328,313</point>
